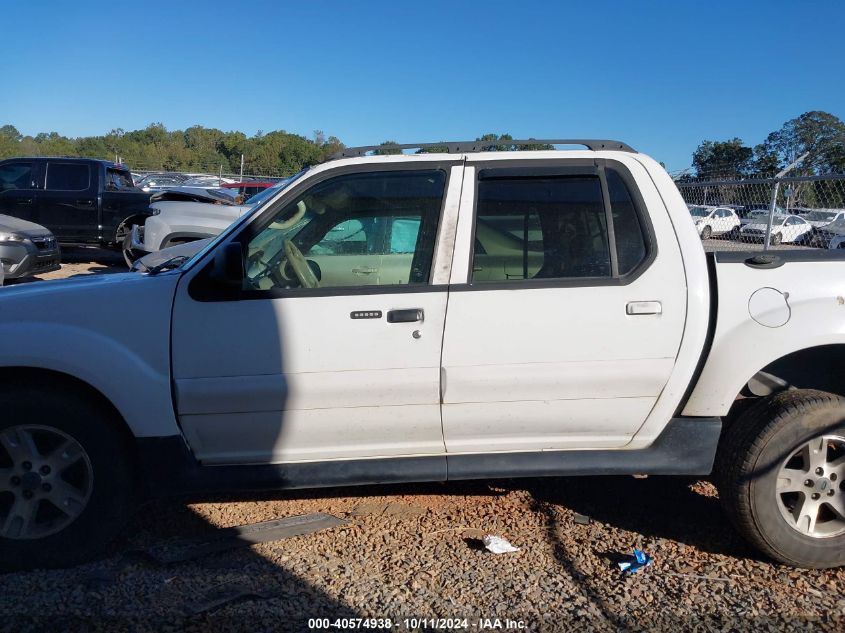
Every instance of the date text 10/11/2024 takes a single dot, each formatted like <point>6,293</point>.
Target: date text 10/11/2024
<point>444,624</point>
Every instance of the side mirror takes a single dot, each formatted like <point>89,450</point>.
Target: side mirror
<point>228,266</point>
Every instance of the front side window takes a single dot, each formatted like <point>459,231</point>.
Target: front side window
<point>68,177</point>
<point>368,229</point>
<point>15,176</point>
<point>554,227</point>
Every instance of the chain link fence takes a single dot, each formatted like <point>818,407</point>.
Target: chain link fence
<point>809,212</point>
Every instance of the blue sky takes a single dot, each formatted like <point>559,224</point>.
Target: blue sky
<point>661,76</point>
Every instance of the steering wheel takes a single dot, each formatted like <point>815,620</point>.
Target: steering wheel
<point>300,266</point>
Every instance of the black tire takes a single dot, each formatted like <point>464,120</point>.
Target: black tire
<point>751,453</point>
<point>776,239</point>
<point>706,233</point>
<point>94,427</point>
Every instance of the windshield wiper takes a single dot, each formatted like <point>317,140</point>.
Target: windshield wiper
<point>173,262</point>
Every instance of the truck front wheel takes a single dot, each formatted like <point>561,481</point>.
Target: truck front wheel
<point>65,478</point>
<point>781,477</point>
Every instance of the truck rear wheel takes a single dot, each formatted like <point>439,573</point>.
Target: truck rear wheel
<point>781,477</point>
<point>65,478</point>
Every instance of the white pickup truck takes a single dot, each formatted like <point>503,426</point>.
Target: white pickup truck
<point>431,317</point>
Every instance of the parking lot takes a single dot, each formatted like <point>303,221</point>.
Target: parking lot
<point>414,551</point>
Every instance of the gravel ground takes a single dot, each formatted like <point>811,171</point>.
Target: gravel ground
<point>415,552</point>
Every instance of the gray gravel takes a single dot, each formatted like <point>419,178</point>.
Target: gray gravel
<point>414,551</point>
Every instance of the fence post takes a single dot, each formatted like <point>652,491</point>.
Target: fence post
<point>778,176</point>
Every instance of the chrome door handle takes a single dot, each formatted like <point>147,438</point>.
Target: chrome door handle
<point>637,308</point>
<point>367,270</point>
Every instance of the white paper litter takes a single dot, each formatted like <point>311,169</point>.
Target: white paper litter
<point>498,545</point>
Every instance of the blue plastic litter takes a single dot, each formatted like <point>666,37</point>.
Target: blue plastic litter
<point>636,562</point>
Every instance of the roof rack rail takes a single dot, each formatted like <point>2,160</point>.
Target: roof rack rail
<point>461,147</point>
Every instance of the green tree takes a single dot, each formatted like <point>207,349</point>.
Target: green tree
<point>820,134</point>
<point>495,142</point>
<point>387,150</point>
<point>722,159</point>
<point>10,141</point>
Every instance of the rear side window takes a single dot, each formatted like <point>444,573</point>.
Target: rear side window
<point>15,176</point>
<point>555,227</point>
<point>68,177</point>
<point>631,247</point>
<point>541,228</point>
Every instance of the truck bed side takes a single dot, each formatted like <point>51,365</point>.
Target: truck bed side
<point>766,312</point>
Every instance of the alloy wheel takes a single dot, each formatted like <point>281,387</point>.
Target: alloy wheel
<point>810,487</point>
<point>46,480</point>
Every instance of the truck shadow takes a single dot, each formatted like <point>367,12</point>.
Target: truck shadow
<point>236,589</point>
<point>685,510</point>
<point>279,595</point>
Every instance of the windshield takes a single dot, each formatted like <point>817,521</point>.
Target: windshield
<point>699,212</point>
<point>820,216</point>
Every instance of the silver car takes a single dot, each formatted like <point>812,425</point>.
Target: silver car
<point>26,249</point>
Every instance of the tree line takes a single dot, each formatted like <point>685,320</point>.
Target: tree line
<point>819,134</point>
<point>201,149</point>
<point>280,153</point>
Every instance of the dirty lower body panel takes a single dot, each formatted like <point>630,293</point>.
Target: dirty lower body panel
<point>687,446</point>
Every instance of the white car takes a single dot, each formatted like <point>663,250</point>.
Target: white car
<point>787,229</point>
<point>310,344</point>
<point>755,217</point>
<point>185,215</point>
<point>820,218</point>
<point>710,221</point>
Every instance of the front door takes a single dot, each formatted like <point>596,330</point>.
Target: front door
<point>18,189</point>
<point>68,205</point>
<point>564,317</point>
<point>331,350</point>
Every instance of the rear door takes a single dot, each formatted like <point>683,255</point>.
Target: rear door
<point>18,189</point>
<point>564,334</point>
<point>68,205</point>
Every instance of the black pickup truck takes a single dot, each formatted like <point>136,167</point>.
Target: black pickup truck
<point>78,199</point>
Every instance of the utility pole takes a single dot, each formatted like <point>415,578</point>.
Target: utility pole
<point>780,175</point>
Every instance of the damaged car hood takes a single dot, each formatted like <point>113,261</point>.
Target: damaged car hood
<point>194,194</point>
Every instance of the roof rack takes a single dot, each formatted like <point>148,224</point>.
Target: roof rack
<point>461,147</point>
